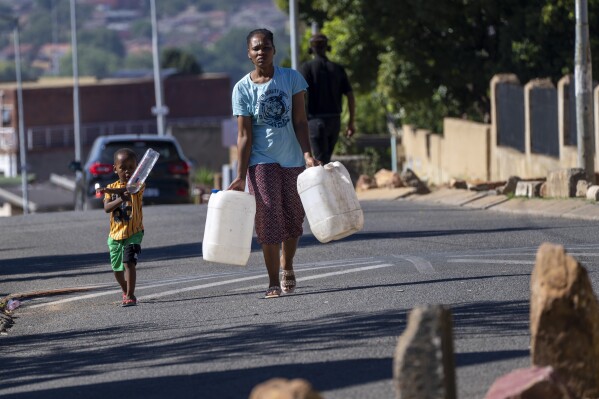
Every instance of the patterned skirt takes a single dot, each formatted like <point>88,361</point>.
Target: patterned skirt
<point>279,211</point>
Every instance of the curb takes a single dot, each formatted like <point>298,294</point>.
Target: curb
<point>570,208</point>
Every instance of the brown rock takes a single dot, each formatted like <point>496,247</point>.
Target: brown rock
<point>561,183</point>
<point>581,188</point>
<point>281,388</point>
<point>529,383</point>
<point>423,365</point>
<point>457,183</point>
<point>485,186</point>
<point>410,179</point>
<point>387,178</point>
<point>510,186</point>
<point>543,190</point>
<point>364,183</point>
<point>564,320</point>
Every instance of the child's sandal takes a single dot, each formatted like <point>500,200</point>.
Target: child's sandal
<point>287,281</point>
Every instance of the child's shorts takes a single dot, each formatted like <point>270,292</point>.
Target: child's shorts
<point>124,251</point>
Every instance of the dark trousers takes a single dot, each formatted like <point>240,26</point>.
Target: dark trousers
<point>324,133</point>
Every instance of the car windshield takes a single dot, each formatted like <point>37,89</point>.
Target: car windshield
<point>167,151</point>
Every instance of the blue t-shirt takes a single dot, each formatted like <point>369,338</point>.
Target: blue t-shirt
<point>269,105</point>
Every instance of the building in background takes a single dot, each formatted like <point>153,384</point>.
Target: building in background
<point>197,107</point>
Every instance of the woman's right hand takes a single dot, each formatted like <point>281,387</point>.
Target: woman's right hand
<point>238,185</point>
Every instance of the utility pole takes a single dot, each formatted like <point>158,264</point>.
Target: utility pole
<point>293,18</point>
<point>583,81</point>
<point>159,110</point>
<point>76,112</point>
<point>22,146</point>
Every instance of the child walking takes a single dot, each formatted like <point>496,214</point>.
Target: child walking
<point>126,224</point>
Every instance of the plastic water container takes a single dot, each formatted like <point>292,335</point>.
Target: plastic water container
<point>330,202</point>
<point>142,171</point>
<point>229,227</point>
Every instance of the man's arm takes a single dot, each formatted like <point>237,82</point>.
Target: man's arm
<point>300,126</point>
<point>351,105</point>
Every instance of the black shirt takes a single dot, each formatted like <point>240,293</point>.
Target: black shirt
<point>327,82</point>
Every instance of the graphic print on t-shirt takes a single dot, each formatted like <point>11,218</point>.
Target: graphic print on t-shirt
<point>273,109</point>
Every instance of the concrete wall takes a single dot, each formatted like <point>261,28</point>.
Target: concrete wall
<point>462,151</point>
<point>416,145</point>
<point>466,152</point>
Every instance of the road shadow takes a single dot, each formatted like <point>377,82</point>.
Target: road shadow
<point>38,265</point>
<point>309,240</point>
<point>188,346</point>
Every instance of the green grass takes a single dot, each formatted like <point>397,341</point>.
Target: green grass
<point>14,181</point>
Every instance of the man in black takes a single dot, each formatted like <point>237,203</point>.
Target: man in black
<point>327,82</point>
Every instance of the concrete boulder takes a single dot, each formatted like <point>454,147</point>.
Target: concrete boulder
<point>365,183</point>
<point>510,186</point>
<point>411,179</point>
<point>529,189</point>
<point>423,365</point>
<point>458,184</point>
<point>564,320</point>
<point>561,183</point>
<point>281,388</point>
<point>529,383</point>
<point>593,193</point>
<point>581,188</point>
<point>387,178</point>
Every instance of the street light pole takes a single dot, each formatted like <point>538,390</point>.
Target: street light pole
<point>159,110</point>
<point>293,18</point>
<point>76,113</point>
<point>22,146</point>
<point>583,81</point>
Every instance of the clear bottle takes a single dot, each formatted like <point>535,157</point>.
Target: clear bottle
<point>13,304</point>
<point>142,171</point>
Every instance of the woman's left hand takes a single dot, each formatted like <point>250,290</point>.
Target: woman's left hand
<point>311,161</point>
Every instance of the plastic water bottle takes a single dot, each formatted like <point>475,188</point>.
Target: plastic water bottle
<point>229,227</point>
<point>142,171</point>
<point>13,304</point>
<point>330,202</point>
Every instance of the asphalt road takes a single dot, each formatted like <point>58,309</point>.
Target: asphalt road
<point>204,330</point>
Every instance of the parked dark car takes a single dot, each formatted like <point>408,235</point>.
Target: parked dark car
<point>168,183</point>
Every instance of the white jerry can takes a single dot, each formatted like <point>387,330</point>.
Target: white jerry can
<point>229,227</point>
<point>330,202</point>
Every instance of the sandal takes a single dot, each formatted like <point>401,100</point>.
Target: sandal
<point>287,281</point>
<point>273,292</point>
<point>129,301</point>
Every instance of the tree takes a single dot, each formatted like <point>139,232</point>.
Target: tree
<point>184,62</point>
<point>435,59</point>
<point>102,39</point>
<point>139,61</point>
<point>92,62</point>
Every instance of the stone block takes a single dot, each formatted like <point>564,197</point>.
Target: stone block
<point>387,178</point>
<point>457,183</point>
<point>561,183</point>
<point>564,320</point>
<point>364,183</point>
<point>411,179</point>
<point>280,388</point>
<point>543,190</point>
<point>510,186</point>
<point>529,383</point>
<point>581,188</point>
<point>593,193</point>
<point>529,189</point>
<point>423,365</point>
